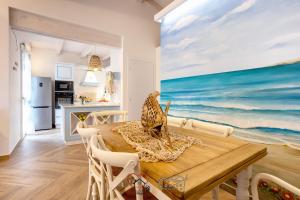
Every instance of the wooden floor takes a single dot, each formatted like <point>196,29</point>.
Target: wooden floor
<point>42,167</point>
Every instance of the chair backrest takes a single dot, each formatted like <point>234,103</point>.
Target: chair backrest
<point>86,134</point>
<point>107,159</point>
<point>107,116</point>
<point>211,128</point>
<point>292,190</point>
<point>176,121</point>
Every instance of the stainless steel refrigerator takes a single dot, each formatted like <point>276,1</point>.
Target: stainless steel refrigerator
<point>41,102</point>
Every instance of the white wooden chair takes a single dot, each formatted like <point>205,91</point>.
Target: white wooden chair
<point>108,116</point>
<point>211,128</point>
<point>104,160</point>
<point>271,178</point>
<point>176,121</point>
<point>86,134</point>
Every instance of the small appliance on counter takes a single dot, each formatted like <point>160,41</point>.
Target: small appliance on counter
<point>41,102</point>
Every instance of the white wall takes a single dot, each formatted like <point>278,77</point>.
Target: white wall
<point>15,91</point>
<point>4,80</point>
<point>157,70</point>
<point>44,61</point>
<point>130,19</point>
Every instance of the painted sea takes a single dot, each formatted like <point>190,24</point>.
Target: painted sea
<point>262,104</point>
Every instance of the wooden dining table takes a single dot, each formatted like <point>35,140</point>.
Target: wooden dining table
<point>200,168</point>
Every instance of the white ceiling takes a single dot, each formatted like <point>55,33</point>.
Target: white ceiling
<point>61,45</point>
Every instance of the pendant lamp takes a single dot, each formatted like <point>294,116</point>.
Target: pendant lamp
<point>95,63</point>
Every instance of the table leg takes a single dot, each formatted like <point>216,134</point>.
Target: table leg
<point>243,179</point>
<point>215,193</point>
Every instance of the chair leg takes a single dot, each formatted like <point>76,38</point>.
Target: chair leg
<point>94,191</point>
<point>215,193</point>
<point>88,195</point>
<point>98,185</point>
<point>102,187</point>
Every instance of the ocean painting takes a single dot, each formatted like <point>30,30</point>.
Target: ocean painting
<point>237,63</point>
<point>262,104</point>
<point>222,63</point>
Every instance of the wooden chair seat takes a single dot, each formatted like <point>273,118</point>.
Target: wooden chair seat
<point>116,170</point>
<point>131,195</point>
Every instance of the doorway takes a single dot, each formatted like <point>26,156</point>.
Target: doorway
<point>49,64</point>
<point>27,125</point>
<point>65,33</point>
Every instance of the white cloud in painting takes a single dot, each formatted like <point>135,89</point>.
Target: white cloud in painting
<point>182,44</point>
<point>239,9</point>
<point>283,40</point>
<point>183,22</point>
<point>190,58</point>
<point>243,7</point>
<point>216,49</point>
<point>263,37</point>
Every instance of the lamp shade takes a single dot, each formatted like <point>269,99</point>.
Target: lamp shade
<point>95,63</point>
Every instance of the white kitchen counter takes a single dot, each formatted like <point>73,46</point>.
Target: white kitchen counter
<point>87,105</point>
<point>70,117</point>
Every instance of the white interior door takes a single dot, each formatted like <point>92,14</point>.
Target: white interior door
<point>27,122</point>
<point>141,80</point>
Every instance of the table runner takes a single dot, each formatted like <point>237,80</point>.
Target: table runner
<point>151,149</point>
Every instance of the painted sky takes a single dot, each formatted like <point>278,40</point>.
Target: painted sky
<point>212,36</point>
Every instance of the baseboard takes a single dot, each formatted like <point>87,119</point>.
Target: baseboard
<point>73,142</point>
<point>18,143</point>
<point>5,157</point>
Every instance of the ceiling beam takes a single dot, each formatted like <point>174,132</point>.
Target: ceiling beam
<point>86,51</point>
<point>60,47</point>
<point>153,3</point>
<point>27,21</point>
<point>167,9</point>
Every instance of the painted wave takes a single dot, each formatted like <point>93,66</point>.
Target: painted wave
<point>237,105</point>
<point>243,121</point>
<point>259,103</point>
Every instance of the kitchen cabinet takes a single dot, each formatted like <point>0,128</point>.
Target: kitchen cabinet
<point>70,117</point>
<point>64,71</point>
<point>58,118</point>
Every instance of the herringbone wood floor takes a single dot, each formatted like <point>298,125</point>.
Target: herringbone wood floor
<point>42,167</point>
